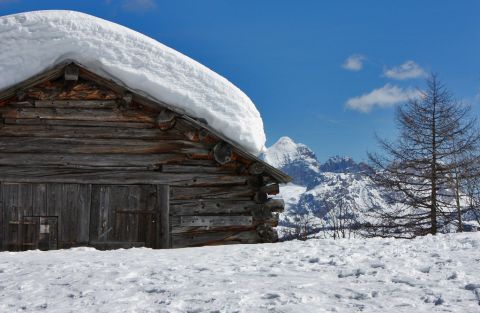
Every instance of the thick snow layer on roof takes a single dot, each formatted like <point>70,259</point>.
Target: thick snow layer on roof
<point>36,41</point>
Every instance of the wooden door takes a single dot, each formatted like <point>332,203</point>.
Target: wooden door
<point>124,216</point>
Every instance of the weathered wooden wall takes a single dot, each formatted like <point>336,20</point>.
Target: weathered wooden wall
<point>79,134</point>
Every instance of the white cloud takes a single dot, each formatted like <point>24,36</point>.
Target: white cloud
<point>354,62</point>
<point>407,70</point>
<point>138,5</point>
<point>386,96</point>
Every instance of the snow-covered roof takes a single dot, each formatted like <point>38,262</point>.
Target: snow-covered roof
<point>33,42</point>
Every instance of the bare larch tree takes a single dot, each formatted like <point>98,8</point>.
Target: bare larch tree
<point>437,141</point>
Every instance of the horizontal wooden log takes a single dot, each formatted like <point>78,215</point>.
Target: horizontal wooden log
<point>77,114</point>
<point>70,104</point>
<point>273,189</point>
<point>216,221</point>
<point>180,168</point>
<point>36,121</point>
<point>213,238</point>
<point>109,146</point>
<point>82,176</point>
<point>49,131</point>
<point>275,205</point>
<point>194,207</point>
<point>186,230</point>
<point>227,192</point>
<point>88,160</point>
<point>20,104</point>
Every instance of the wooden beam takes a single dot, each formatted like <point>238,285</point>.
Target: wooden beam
<point>100,146</point>
<point>216,221</point>
<point>213,206</point>
<point>77,104</point>
<point>92,161</point>
<point>224,192</point>
<point>213,238</point>
<point>180,168</point>
<point>54,131</point>
<point>83,176</point>
<point>36,121</point>
<point>77,114</point>
<point>273,189</point>
<point>275,205</point>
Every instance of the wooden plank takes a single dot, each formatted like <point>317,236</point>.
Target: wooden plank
<point>17,202</point>
<point>83,176</point>
<point>101,222</point>
<point>77,114</point>
<point>35,121</point>
<point>88,160</point>
<point>95,213</point>
<point>39,199</point>
<point>194,207</point>
<point>53,131</point>
<point>76,145</point>
<point>163,217</point>
<point>216,221</point>
<point>83,214</point>
<point>231,192</point>
<point>213,238</point>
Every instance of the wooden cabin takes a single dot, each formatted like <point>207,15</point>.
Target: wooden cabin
<point>85,161</point>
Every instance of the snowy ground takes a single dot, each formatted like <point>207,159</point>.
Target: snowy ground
<point>431,274</point>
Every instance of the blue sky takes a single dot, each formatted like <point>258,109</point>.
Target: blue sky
<point>326,73</point>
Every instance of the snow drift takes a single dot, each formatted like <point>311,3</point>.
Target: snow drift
<point>36,41</point>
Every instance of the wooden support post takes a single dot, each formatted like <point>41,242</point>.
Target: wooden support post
<point>223,152</point>
<point>71,72</point>
<point>166,119</point>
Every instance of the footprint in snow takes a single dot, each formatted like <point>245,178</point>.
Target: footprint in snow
<point>270,296</point>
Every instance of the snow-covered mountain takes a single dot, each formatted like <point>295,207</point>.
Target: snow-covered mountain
<point>336,191</point>
<point>295,159</point>
<point>339,164</point>
<point>318,188</point>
